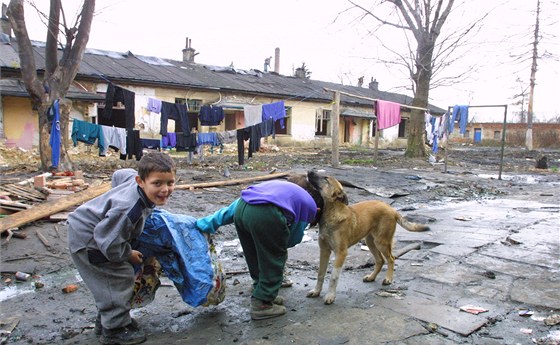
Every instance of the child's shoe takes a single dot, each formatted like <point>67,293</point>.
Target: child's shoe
<point>127,335</point>
<point>261,310</point>
<point>98,329</point>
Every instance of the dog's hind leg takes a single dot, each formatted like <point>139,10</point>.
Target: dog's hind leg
<point>387,252</point>
<point>379,260</point>
<point>335,275</point>
<point>325,254</point>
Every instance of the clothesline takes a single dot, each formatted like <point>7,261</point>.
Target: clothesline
<point>371,99</point>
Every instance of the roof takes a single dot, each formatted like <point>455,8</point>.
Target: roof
<point>15,87</point>
<point>128,68</point>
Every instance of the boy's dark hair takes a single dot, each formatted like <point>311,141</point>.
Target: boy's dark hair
<point>155,162</point>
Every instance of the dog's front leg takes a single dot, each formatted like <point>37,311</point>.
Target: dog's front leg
<point>337,267</point>
<point>325,254</point>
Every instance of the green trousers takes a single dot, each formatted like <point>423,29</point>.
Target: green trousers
<point>263,233</point>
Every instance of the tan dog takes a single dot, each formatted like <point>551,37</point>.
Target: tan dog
<point>342,226</point>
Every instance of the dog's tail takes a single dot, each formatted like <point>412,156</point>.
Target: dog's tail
<point>410,226</point>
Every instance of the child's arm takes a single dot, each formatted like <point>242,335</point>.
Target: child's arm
<point>296,233</point>
<point>221,217</point>
<point>112,236</point>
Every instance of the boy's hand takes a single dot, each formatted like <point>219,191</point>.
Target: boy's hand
<point>135,258</point>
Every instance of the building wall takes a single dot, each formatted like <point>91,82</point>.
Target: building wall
<point>21,126</point>
<point>544,134</point>
<point>21,122</point>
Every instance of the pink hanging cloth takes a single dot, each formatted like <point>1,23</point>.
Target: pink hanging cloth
<point>388,114</point>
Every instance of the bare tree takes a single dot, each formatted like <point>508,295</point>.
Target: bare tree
<point>59,73</point>
<point>427,54</point>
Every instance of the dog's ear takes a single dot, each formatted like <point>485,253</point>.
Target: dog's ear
<point>341,196</point>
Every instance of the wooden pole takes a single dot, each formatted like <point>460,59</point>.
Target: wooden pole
<point>376,134</point>
<point>503,143</point>
<point>448,135</point>
<point>231,182</point>
<point>334,127</point>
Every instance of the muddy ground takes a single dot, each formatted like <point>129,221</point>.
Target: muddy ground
<point>416,187</point>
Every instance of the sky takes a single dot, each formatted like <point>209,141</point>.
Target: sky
<point>335,43</point>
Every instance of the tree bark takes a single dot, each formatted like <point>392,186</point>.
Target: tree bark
<point>58,74</point>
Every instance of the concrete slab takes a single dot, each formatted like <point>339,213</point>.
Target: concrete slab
<point>512,268</point>
<point>341,325</point>
<point>548,258</point>
<point>453,250</point>
<point>445,316</point>
<point>540,292</point>
<point>451,273</point>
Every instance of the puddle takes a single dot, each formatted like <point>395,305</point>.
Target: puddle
<point>529,179</point>
<point>51,280</point>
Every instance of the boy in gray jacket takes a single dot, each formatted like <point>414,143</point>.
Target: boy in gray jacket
<point>99,238</point>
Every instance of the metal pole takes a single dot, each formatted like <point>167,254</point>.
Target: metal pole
<point>503,143</point>
<point>334,127</point>
<point>446,129</point>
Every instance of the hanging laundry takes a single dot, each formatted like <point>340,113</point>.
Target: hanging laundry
<point>460,113</point>
<point>208,139</point>
<point>211,115</point>
<point>87,133</point>
<point>114,137</point>
<point>55,134</point>
<point>227,137</point>
<point>118,94</point>
<point>187,143</point>
<point>243,134</point>
<point>169,140</point>
<point>275,111</point>
<point>252,114</point>
<point>153,144</point>
<point>177,112</point>
<point>267,128</point>
<point>154,105</point>
<point>133,145</point>
<point>388,114</point>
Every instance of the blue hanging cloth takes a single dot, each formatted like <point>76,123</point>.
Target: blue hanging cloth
<point>55,134</point>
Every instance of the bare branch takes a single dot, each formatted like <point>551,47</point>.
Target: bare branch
<point>51,56</point>
<point>25,50</point>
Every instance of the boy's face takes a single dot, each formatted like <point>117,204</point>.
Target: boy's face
<point>158,186</point>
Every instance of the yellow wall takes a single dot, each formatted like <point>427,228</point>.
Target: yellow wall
<point>20,123</point>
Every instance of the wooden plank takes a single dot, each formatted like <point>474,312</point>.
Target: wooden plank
<point>51,207</point>
<point>231,182</point>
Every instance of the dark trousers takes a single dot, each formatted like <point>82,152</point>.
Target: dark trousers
<point>263,233</point>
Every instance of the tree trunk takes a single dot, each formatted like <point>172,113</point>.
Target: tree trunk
<point>423,75</point>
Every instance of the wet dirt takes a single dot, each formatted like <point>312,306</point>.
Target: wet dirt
<point>417,308</point>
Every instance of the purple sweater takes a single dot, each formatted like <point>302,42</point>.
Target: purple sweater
<point>296,202</point>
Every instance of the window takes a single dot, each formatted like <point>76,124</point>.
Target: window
<point>467,134</point>
<point>322,122</point>
<point>194,105</point>
<point>402,128</point>
<point>497,135</point>
<point>287,123</point>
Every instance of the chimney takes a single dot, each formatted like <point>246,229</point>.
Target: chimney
<point>5,22</point>
<point>374,84</point>
<point>360,81</point>
<point>277,60</point>
<point>189,52</point>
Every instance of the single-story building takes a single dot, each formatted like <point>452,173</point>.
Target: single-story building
<point>308,105</point>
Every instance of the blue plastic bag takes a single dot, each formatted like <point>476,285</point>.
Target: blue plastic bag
<point>183,252</point>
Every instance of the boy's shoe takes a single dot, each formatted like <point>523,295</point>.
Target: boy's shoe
<point>127,335</point>
<point>286,282</point>
<point>261,310</point>
<point>98,329</point>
